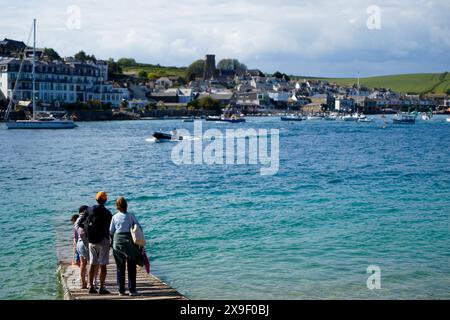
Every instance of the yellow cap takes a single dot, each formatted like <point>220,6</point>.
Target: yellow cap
<point>101,196</point>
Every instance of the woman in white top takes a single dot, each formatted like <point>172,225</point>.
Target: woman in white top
<point>126,253</point>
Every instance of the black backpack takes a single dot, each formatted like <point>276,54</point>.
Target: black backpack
<point>95,224</point>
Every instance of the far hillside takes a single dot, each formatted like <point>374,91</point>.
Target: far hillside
<point>150,71</point>
<point>421,83</point>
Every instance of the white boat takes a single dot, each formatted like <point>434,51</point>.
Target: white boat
<point>35,122</point>
<point>365,119</point>
<point>427,115</point>
<point>404,118</point>
<point>314,118</point>
<point>448,119</point>
<point>41,124</point>
<point>291,117</point>
<point>348,118</point>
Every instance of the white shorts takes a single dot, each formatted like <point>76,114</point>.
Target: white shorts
<point>99,252</point>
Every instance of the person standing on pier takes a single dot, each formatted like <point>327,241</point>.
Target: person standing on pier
<point>126,253</point>
<point>98,219</point>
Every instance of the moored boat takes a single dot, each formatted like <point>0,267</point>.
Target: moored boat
<point>348,118</point>
<point>314,118</point>
<point>365,119</point>
<point>41,124</point>
<point>35,122</point>
<point>232,119</point>
<point>291,118</point>
<point>404,119</point>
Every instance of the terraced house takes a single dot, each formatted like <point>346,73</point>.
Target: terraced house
<point>58,82</point>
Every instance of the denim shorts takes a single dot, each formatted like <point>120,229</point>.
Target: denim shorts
<point>82,250</point>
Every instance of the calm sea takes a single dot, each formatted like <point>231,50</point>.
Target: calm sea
<point>347,195</point>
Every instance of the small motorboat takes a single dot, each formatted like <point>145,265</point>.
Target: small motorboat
<point>188,120</point>
<point>166,137</point>
<point>448,119</point>
<point>291,117</point>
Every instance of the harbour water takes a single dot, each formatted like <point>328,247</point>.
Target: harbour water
<point>347,195</point>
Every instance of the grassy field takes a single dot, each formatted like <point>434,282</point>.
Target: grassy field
<point>405,83</point>
<point>156,70</point>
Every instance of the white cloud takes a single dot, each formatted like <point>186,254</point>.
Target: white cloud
<point>300,37</point>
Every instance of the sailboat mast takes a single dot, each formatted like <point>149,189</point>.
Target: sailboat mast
<point>34,69</point>
<point>358,84</point>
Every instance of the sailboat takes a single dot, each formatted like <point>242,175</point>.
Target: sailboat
<point>35,122</point>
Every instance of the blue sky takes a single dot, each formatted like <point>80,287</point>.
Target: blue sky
<point>316,38</point>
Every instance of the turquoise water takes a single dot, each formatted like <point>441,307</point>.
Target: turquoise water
<point>347,195</point>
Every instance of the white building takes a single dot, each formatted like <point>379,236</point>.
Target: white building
<point>57,82</point>
<point>344,104</point>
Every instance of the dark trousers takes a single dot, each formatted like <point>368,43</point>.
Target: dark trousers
<point>122,262</point>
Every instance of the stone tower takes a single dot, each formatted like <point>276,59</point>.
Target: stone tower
<point>210,67</point>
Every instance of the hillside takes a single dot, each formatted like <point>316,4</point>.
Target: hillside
<point>405,83</point>
<point>155,70</point>
<point>419,83</point>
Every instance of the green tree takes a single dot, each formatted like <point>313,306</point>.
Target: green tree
<point>127,62</point>
<point>142,74</point>
<point>83,57</point>
<point>232,65</point>
<point>278,75</point>
<point>152,76</point>
<point>195,70</point>
<point>206,103</point>
<point>114,69</point>
<point>52,54</point>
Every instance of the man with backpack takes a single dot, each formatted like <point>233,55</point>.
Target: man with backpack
<point>96,222</point>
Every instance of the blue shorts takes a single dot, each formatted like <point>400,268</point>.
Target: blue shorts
<point>82,250</point>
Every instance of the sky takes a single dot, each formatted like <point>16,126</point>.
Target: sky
<point>311,38</point>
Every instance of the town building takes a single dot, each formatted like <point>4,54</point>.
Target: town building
<point>57,82</point>
<point>9,48</point>
<point>210,67</point>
